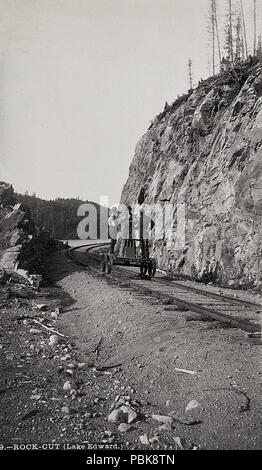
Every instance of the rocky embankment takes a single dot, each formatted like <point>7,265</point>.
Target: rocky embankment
<point>23,247</point>
<point>205,151</point>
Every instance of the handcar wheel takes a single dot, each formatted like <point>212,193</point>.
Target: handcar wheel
<point>108,265</point>
<point>103,265</point>
<point>143,269</point>
<point>150,270</point>
<point>153,268</point>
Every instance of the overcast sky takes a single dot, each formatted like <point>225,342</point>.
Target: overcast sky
<point>80,81</point>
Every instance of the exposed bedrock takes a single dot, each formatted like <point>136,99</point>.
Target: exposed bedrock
<point>205,151</point>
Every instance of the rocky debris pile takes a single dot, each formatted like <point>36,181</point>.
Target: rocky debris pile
<point>23,247</point>
<point>204,153</point>
<point>57,396</point>
<point>129,414</point>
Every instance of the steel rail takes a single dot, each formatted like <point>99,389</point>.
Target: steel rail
<point>225,298</point>
<point>209,293</point>
<point>210,313</point>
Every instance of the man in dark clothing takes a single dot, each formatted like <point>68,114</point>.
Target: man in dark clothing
<point>114,225</point>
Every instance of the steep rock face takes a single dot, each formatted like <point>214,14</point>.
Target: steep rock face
<point>205,151</point>
<point>23,248</point>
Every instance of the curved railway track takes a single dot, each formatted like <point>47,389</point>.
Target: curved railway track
<point>225,309</point>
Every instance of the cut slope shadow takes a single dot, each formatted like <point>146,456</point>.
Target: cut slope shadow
<point>58,267</point>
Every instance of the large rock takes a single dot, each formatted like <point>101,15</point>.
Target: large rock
<point>205,152</point>
<point>10,259</point>
<point>23,247</point>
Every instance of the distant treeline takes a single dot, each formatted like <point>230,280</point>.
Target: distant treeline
<point>58,216</point>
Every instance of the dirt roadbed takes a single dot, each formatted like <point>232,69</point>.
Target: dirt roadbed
<point>126,373</point>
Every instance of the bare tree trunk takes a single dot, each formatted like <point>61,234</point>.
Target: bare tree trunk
<point>238,49</point>
<point>213,34</point>
<point>190,74</point>
<point>259,46</point>
<point>230,32</point>
<point>255,26</point>
<point>243,52</point>
<point>217,32</point>
<point>244,27</point>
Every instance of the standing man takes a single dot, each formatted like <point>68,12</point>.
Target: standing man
<point>114,226</point>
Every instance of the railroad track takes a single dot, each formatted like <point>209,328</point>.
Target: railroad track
<point>225,309</point>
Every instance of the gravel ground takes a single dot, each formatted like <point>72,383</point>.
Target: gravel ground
<point>150,343</point>
<point>124,349</point>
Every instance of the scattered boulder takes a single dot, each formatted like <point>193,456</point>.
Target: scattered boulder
<point>192,405</point>
<point>144,439</point>
<point>67,386</point>
<point>116,416</point>
<point>165,427</point>
<point>35,331</point>
<point>53,340</point>
<point>35,397</point>
<point>42,307</point>
<point>185,420</point>
<point>153,439</point>
<point>81,365</point>
<point>163,419</point>
<point>124,427</point>
<point>129,412</point>
<point>65,410</point>
<point>180,442</point>
<point>120,401</point>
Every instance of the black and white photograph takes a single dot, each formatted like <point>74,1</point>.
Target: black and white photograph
<point>130,230</point>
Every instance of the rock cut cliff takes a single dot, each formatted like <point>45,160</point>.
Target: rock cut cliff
<point>205,151</point>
